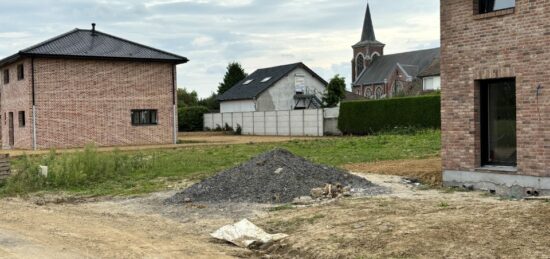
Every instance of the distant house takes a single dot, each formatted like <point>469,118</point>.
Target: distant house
<point>281,88</point>
<point>85,87</point>
<point>431,77</point>
<point>378,76</point>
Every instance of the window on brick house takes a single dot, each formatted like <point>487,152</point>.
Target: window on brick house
<point>6,76</point>
<point>488,6</point>
<point>144,117</point>
<point>21,119</point>
<point>20,72</point>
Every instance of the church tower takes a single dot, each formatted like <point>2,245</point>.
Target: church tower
<point>367,49</point>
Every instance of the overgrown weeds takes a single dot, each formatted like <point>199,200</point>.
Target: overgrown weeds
<point>69,171</point>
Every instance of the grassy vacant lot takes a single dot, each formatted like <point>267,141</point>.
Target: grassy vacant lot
<point>124,173</point>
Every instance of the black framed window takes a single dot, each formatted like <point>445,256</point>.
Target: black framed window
<point>22,119</point>
<point>20,72</point>
<point>498,122</point>
<point>489,6</point>
<point>144,117</point>
<point>6,76</point>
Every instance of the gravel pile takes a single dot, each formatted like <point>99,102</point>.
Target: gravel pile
<point>277,176</point>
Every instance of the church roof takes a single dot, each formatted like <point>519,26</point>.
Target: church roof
<point>368,36</point>
<point>80,43</point>
<point>261,80</point>
<point>383,66</point>
<point>432,70</point>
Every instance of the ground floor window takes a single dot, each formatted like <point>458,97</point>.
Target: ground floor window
<point>498,122</point>
<point>21,119</point>
<point>144,117</point>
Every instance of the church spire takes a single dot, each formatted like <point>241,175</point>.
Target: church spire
<point>368,28</point>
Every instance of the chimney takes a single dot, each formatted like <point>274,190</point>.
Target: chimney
<point>93,27</point>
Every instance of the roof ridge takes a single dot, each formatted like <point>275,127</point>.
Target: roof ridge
<point>135,43</point>
<point>279,66</point>
<point>412,51</point>
<point>48,41</point>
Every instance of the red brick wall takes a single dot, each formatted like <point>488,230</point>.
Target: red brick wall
<point>15,97</point>
<point>505,44</point>
<point>90,101</point>
<point>367,52</point>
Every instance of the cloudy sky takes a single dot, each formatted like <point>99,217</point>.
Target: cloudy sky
<point>212,33</point>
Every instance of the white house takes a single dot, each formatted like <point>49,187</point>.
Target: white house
<point>281,88</point>
<point>431,77</point>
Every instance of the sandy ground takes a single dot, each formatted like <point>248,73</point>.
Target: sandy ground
<point>410,222</point>
<point>187,140</point>
<point>427,171</point>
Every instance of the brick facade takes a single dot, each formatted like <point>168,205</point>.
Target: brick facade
<point>15,97</point>
<point>83,101</point>
<point>506,44</point>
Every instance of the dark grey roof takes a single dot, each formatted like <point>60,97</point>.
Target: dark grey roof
<point>351,96</point>
<point>368,28</point>
<point>432,70</point>
<point>95,44</point>
<point>383,66</point>
<point>411,70</point>
<point>368,36</point>
<point>252,90</point>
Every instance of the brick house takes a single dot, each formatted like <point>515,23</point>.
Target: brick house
<point>85,87</point>
<point>378,76</point>
<point>495,99</point>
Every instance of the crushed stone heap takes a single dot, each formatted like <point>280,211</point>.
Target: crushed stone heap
<point>277,176</point>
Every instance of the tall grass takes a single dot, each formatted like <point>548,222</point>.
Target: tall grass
<point>90,172</point>
<point>72,171</point>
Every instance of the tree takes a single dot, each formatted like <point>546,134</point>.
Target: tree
<point>235,73</point>
<point>336,91</point>
<point>211,102</point>
<point>187,98</point>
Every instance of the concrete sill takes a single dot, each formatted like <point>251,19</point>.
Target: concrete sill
<point>498,169</point>
<point>495,14</point>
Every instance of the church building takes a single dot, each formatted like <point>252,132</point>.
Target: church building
<point>379,76</point>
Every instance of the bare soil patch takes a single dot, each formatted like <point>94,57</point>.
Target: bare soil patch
<point>407,223</point>
<point>428,171</point>
<point>414,223</point>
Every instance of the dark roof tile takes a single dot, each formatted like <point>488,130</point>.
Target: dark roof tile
<point>96,44</point>
<point>383,66</point>
<point>253,89</point>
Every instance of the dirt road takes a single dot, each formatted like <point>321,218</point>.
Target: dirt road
<point>407,223</point>
<point>133,228</point>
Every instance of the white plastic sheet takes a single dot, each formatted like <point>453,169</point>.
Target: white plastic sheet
<point>245,234</point>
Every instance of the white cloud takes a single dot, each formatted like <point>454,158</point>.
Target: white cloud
<point>212,33</point>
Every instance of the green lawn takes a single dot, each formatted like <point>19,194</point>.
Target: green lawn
<point>126,173</point>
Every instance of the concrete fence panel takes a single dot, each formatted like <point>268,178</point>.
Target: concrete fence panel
<point>278,123</point>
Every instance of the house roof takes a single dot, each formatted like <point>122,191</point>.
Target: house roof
<point>383,66</point>
<point>257,85</point>
<point>432,70</point>
<point>80,43</point>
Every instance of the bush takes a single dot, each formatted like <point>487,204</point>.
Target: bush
<point>73,170</point>
<point>191,118</point>
<point>367,117</point>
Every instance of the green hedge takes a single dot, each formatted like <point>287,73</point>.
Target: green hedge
<point>191,118</point>
<point>367,117</point>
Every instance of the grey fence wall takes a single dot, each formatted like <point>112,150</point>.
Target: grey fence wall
<point>275,123</point>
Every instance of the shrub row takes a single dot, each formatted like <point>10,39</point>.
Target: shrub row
<point>367,117</point>
<point>191,118</point>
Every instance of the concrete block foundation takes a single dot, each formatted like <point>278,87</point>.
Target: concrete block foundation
<point>504,184</point>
